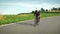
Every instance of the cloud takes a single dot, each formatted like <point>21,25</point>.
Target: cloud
<point>24,7</point>
<point>42,5</point>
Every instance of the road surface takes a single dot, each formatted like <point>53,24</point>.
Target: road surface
<point>49,25</point>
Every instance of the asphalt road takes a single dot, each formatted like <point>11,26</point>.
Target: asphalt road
<point>49,25</point>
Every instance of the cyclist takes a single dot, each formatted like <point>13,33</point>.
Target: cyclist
<point>37,16</point>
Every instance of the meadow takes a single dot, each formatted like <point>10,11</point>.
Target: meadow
<point>6,19</point>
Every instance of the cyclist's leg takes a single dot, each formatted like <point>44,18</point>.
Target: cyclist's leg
<point>35,21</point>
<point>38,19</point>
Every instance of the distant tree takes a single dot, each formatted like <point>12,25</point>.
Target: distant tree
<point>59,8</point>
<point>54,8</point>
<point>42,10</point>
<point>32,11</point>
<point>46,10</point>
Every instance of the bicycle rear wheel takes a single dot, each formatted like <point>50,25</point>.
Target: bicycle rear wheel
<point>37,19</point>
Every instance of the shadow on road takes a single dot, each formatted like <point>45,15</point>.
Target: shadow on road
<point>25,24</point>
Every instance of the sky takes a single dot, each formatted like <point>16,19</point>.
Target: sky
<point>26,6</point>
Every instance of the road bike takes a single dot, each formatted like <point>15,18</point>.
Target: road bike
<point>37,19</point>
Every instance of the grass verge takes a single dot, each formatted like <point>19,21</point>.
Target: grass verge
<point>6,19</point>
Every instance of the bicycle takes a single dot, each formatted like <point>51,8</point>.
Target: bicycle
<point>37,19</point>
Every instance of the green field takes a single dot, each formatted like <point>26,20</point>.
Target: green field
<point>6,19</point>
<point>48,14</point>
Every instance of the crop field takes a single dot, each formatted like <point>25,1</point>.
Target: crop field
<point>6,19</point>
